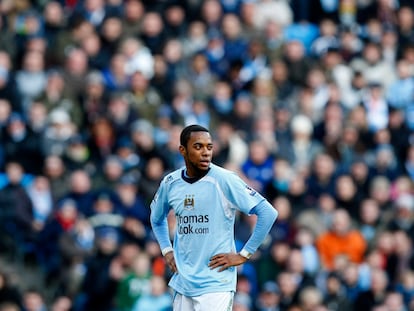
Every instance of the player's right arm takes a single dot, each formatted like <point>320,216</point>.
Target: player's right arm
<point>159,224</point>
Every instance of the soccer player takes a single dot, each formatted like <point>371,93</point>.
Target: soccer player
<point>205,199</point>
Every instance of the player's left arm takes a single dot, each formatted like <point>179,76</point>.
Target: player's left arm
<point>266,216</point>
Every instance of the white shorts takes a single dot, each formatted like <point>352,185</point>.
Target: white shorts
<point>222,301</point>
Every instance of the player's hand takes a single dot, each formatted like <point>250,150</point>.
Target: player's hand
<point>170,260</point>
<point>225,261</point>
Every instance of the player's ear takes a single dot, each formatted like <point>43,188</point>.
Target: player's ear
<point>182,150</point>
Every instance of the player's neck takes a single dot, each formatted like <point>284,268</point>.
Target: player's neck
<point>191,178</point>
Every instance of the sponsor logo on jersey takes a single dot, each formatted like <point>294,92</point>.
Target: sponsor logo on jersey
<point>250,190</point>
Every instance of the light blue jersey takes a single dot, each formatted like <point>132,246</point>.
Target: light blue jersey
<point>205,213</point>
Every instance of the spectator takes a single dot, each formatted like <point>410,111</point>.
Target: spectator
<point>335,298</point>
<point>54,23</point>
<point>380,191</point>
<point>102,139</point>
<point>398,95</point>
<point>242,116</point>
<point>80,190</point>
<point>263,128</point>
<point>93,11</point>
<point>159,299</point>
<point>58,132</point>
<point>145,99</point>
<point>138,57</point>
<point>9,292</point>
<point>296,266</point>
<point>111,34</point>
<point>150,178</point>
<point>242,302</point>
<point>16,211</point>
<point>200,75</point>
<point>95,51</point>
<point>153,33</point>
<point>8,86</point>
<point>405,21</point>
<point>346,195</point>
<point>98,287</point>
<point>403,214</point>
<point>55,95</point>
<point>136,225</point>
<point>34,300</point>
<point>405,286</point>
<point>408,162</point>
<point>61,303</point>
<point>327,38</point>
<point>9,306</point>
<point>76,245</point>
<point>303,148</point>
<point>289,293</point>
<point>399,134</point>
<point>305,240</point>
<point>75,70</point>
<point>282,177</point>
<point>135,284</point>
<point>55,171</point>
<point>340,240</point>
<point>76,154</point>
<point>62,219</point>
<point>258,165</point>
<point>352,286</point>
<point>196,39</point>
<point>298,64</point>
<point>375,295</point>
<point>121,114</point>
<point>37,118</point>
<point>310,298</point>
<point>33,70</point>
<point>211,13</point>
<point>40,195</point>
<point>272,262</point>
<point>319,218</point>
<point>22,145</point>
<point>322,179</point>
<point>115,74</point>
<point>133,14</point>
<point>268,299</point>
<point>370,220</point>
<point>106,214</point>
<point>283,229</point>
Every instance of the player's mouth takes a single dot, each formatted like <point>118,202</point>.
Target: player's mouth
<point>205,163</point>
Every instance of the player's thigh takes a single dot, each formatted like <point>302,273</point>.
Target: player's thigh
<point>182,303</point>
<point>222,301</point>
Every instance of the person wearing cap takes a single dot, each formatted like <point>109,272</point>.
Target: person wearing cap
<point>269,297</point>
<point>205,199</point>
<point>403,214</point>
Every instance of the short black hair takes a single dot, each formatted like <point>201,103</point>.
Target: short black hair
<point>186,133</point>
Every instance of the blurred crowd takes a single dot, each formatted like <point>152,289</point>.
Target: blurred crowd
<point>310,101</point>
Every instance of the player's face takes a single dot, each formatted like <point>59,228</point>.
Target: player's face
<point>198,153</point>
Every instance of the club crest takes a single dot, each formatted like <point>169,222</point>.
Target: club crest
<point>189,202</point>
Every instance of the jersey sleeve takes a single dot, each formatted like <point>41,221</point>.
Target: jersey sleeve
<point>159,211</point>
<point>244,197</point>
